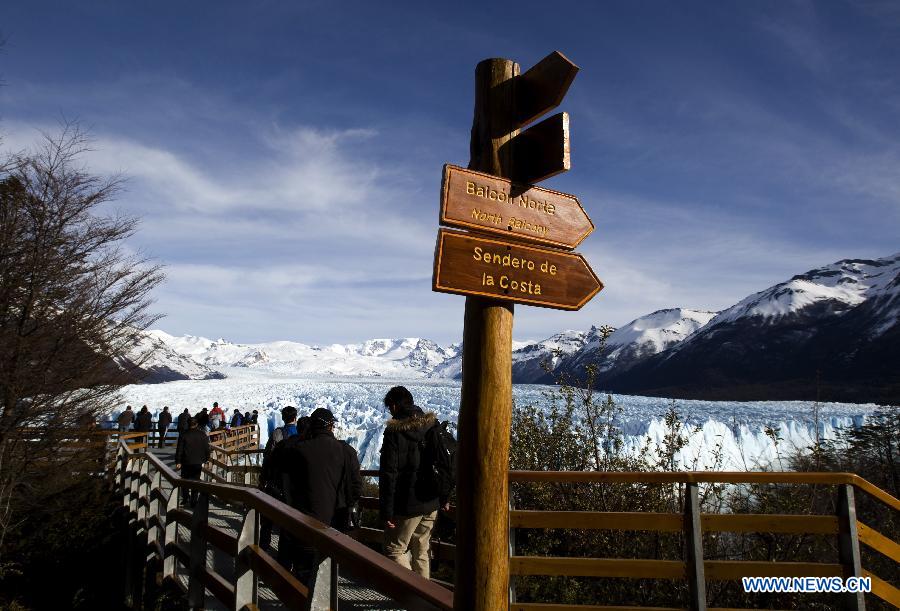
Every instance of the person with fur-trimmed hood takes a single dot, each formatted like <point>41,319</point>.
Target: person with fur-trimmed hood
<point>408,496</point>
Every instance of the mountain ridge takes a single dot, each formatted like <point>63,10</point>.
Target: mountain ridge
<point>833,326</point>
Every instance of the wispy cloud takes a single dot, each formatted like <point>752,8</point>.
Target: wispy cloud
<point>718,151</point>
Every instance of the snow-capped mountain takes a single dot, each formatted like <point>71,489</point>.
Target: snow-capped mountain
<point>407,357</point>
<point>833,331</point>
<point>166,364</point>
<point>529,362</point>
<point>527,357</point>
<point>832,290</point>
<point>634,342</point>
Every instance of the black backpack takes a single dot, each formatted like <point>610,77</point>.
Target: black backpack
<point>439,450</point>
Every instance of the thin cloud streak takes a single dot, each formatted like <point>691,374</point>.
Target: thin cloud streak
<point>718,150</point>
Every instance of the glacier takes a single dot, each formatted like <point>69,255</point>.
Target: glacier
<point>723,435</point>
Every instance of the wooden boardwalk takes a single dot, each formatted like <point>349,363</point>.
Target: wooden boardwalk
<point>353,595</point>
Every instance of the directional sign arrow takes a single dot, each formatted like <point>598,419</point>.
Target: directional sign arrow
<point>482,202</point>
<point>541,151</point>
<point>469,265</point>
<point>543,87</point>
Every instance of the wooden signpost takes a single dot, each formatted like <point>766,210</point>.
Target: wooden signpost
<point>495,196</point>
<point>470,265</point>
<point>481,202</point>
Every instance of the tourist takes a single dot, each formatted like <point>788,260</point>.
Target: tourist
<point>125,419</point>
<point>143,421</point>
<point>271,479</point>
<point>216,415</point>
<point>316,468</point>
<point>162,425</point>
<point>203,420</point>
<point>193,452</point>
<point>408,500</point>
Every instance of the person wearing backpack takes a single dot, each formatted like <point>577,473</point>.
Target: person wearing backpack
<point>271,475</point>
<point>408,489</point>
<point>236,419</point>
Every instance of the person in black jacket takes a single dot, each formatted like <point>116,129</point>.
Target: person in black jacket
<point>192,452</point>
<point>143,422</point>
<point>183,422</point>
<point>162,425</point>
<point>346,513</point>
<point>203,420</point>
<point>236,418</point>
<point>408,495</point>
<point>316,468</point>
<point>183,425</point>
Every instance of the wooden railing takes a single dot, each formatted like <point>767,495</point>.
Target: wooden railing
<point>240,437</point>
<point>243,436</point>
<point>235,458</point>
<point>154,517</point>
<point>691,523</point>
<point>848,531</point>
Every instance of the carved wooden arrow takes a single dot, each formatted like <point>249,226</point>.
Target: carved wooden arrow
<point>469,265</point>
<point>543,87</point>
<point>482,202</point>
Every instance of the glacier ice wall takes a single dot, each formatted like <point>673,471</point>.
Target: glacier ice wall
<point>724,435</point>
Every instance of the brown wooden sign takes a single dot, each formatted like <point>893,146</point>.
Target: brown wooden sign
<point>541,151</point>
<point>543,87</point>
<point>469,265</point>
<point>482,202</point>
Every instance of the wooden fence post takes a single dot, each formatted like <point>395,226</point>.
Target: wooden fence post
<point>485,415</point>
<point>693,540</point>
<point>153,529</point>
<point>134,480</point>
<point>142,491</point>
<point>848,544</point>
<point>170,537</point>
<point>512,552</point>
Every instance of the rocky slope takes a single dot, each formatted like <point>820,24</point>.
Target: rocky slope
<point>832,333</point>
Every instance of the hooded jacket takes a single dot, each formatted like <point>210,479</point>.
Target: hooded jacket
<point>315,467</point>
<point>144,420</point>
<point>126,418</point>
<point>403,489</point>
<point>193,448</point>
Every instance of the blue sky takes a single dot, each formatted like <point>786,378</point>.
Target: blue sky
<point>285,157</point>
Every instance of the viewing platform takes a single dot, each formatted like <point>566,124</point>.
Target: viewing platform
<point>211,554</point>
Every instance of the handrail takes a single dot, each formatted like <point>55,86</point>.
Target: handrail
<point>845,526</point>
<point>404,586</point>
<point>739,523</point>
<point>707,477</point>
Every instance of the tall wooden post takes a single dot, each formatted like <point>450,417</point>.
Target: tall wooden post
<point>485,415</point>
